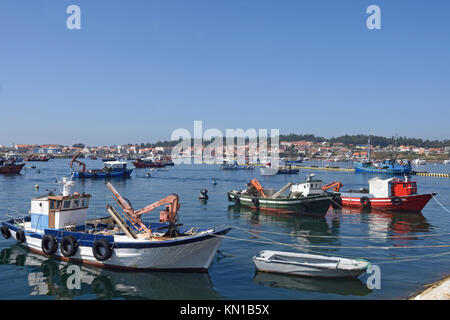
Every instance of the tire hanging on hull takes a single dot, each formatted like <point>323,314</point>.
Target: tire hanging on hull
<point>99,246</point>
<point>49,244</point>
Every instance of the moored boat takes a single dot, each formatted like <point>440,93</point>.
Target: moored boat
<point>309,265</point>
<point>148,163</point>
<point>236,166</point>
<point>392,194</point>
<point>34,157</point>
<point>58,228</point>
<point>306,198</point>
<point>398,167</point>
<point>9,166</point>
<point>111,169</point>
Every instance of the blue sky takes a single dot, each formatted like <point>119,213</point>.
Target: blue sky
<point>137,70</point>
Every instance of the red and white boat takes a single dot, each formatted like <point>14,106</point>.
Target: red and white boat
<point>392,194</point>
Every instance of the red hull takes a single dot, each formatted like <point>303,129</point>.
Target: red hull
<point>415,202</point>
<point>148,165</point>
<point>15,168</point>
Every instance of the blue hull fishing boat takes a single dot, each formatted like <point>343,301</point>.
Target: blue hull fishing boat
<point>387,166</point>
<point>111,169</point>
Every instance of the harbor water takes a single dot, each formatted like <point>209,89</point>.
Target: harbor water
<point>410,249</point>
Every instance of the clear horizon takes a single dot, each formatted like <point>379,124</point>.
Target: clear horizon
<point>137,71</point>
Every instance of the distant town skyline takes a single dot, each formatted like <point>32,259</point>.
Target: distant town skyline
<point>134,72</point>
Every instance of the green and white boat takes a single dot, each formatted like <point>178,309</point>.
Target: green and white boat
<point>305,198</point>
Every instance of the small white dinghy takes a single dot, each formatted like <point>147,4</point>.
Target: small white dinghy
<point>309,265</point>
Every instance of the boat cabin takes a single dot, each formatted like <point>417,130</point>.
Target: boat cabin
<point>392,187</point>
<point>115,166</point>
<point>66,211</point>
<point>310,187</point>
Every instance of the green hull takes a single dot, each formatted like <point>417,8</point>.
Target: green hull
<point>316,205</point>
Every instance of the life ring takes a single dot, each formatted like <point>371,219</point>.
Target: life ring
<point>365,202</point>
<point>68,246</point>
<point>20,236</point>
<point>5,232</point>
<point>49,244</point>
<point>396,201</point>
<point>102,249</point>
<point>255,201</point>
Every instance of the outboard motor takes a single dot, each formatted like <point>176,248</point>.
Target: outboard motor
<point>203,194</point>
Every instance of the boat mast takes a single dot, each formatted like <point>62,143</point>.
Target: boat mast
<point>368,149</point>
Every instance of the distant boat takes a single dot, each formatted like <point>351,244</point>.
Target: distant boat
<point>269,171</point>
<point>295,162</point>
<point>446,161</point>
<point>37,158</point>
<point>13,156</point>
<point>111,169</point>
<point>419,162</point>
<point>309,265</point>
<point>236,166</point>
<point>148,163</point>
<point>9,166</point>
<point>386,166</point>
<point>109,158</point>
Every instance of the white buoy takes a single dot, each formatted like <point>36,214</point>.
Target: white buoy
<point>36,187</point>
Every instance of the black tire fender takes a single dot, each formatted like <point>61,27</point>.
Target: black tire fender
<point>365,202</point>
<point>49,244</point>
<point>255,201</point>
<point>98,246</point>
<point>396,201</point>
<point>5,232</point>
<point>20,236</point>
<point>68,246</point>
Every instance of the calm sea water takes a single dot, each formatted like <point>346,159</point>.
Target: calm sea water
<point>404,270</point>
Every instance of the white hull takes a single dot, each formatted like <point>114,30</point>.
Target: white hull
<point>195,255</point>
<point>308,265</point>
<point>268,171</point>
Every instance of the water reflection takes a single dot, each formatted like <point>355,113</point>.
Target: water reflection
<point>389,224</point>
<point>354,287</point>
<point>49,277</point>
<point>313,230</point>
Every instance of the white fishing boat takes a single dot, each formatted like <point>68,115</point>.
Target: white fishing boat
<point>309,265</point>
<point>419,161</point>
<point>268,171</point>
<point>57,227</point>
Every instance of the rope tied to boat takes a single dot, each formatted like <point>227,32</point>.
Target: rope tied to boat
<point>439,203</point>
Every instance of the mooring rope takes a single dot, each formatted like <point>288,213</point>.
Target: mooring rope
<point>334,247</point>
<point>443,207</point>
<point>346,237</point>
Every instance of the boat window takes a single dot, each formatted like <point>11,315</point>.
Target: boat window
<point>66,204</point>
<point>52,205</point>
<point>76,203</point>
<point>83,202</point>
<point>58,205</point>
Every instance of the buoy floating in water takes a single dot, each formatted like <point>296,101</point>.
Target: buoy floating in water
<point>203,194</point>
<point>214,182</point>
<point>36,187</point>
